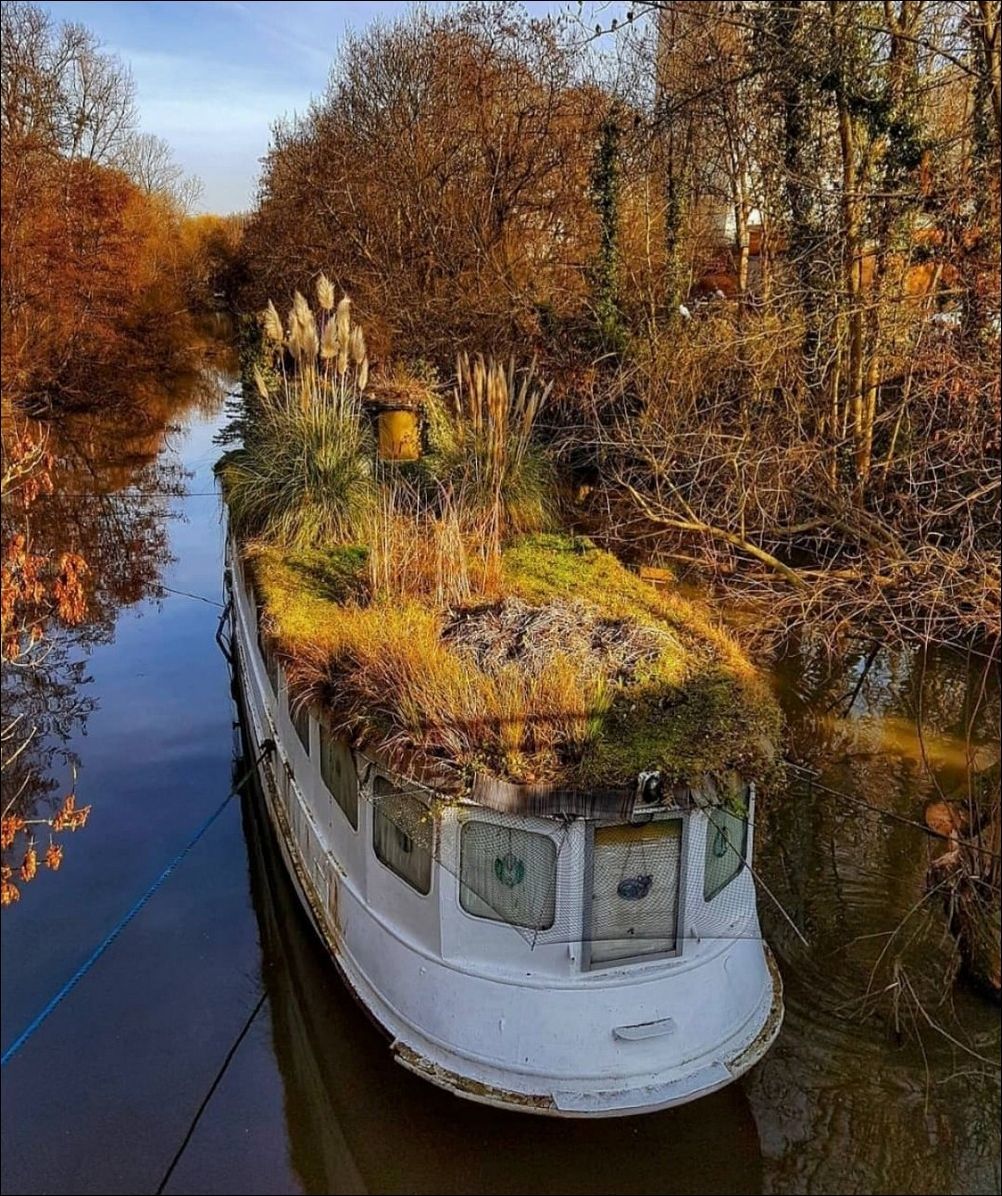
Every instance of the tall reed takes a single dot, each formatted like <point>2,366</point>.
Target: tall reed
<point>486,455</point>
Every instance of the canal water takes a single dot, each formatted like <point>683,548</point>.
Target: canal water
<point>211,1047</point>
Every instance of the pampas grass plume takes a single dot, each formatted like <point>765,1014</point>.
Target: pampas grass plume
<point>328,341</point>
<point>325,293</point>
<point>259,382</point>
<point>272,324</point>
<point>342,318</point>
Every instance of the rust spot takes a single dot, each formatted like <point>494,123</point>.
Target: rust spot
<point>754,1051</point>
<point>462,1086</point>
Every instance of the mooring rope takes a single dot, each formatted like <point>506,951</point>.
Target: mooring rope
<point>56,1000</point>
<point>188,594</point>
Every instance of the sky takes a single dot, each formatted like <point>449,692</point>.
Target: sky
<point>211,77</point>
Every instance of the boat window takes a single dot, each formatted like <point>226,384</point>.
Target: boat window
<point>726,843</point>
<point>337,767</point>
<point>508,874</point>
<point>403,834</point>
<point>635,884</point>
<point>299,713</point>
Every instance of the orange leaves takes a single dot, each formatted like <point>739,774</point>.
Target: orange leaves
<point>9,892</point>
<point>91,279</point>
<point>9,828</point>
<point>33,589</point>
<point>69,818</point>
<point>68,591</point>
<point>29,865</point>
<point>27,466</point>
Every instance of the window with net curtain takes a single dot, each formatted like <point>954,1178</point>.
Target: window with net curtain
<point>726,842</point>
<point>508,874</point>
<point>635,871</point>
<point>337,767</point>
<point>403,834</point>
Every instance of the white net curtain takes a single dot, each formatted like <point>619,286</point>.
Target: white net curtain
<point>508,874</point>
<point>635,887</point>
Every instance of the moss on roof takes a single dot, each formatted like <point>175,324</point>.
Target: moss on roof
<point>394,672</point>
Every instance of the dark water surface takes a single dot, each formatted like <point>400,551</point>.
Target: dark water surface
<point>100,1098</point>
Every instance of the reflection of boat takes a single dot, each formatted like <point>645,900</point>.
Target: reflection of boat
<point>577,956</point>
<point>358,1123</point>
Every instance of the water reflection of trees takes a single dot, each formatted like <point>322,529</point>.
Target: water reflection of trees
<point>871,1004</point>
<point>114,482</point>
<point>905,731</point>
<point>892,730</point>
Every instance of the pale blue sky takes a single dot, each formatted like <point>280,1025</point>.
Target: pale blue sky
<point>212,76</point>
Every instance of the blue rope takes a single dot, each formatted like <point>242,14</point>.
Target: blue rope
<point>117,929</point>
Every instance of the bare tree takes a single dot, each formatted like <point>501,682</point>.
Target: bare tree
<point>61,92</point>
<point>149,161</point>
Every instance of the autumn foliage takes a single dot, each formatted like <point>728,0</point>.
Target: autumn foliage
<point>755,245</point>
<point>444,177</point>
<point>93,283</point>
<point>69,817</point>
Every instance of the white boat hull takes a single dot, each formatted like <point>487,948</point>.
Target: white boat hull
<point>524,1026</point>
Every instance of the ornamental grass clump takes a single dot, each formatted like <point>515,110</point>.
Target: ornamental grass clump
<point>484,451</point>
<point>303,477</point>
<point>329,357</point>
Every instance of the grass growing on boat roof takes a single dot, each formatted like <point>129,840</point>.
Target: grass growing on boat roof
<point>388,672</point>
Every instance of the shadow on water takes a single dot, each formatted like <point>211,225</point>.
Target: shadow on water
<point>358,1122</point>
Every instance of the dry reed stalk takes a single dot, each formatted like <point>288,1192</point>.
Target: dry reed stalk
<point>494,414</point>
<point>453,578</point>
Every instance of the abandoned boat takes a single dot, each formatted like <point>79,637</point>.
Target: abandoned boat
<point>523,948</point>
<point>512,782</point>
